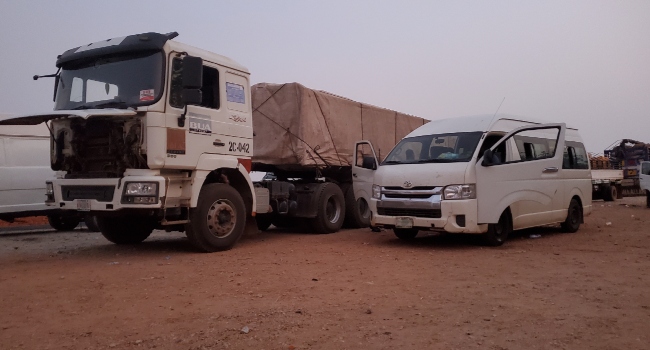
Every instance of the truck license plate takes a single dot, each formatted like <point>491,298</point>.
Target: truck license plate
<point>403,223</point>
<point>83,204</point>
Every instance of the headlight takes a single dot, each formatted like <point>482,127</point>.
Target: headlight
<point>141,189</point>
<point>376,191</point>
<point>460,192</point>
<point>49,188</point>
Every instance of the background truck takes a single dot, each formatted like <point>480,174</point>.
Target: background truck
<point>644,181</point>
<point>150,133</point>
<point>616,173</point>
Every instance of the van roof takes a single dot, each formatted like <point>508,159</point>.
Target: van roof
<point>22,130</point>
<point>481,123</point>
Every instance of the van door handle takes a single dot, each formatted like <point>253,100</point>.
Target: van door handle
<point>552,169</point>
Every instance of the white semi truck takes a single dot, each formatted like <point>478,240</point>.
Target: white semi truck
<point>150,133</point>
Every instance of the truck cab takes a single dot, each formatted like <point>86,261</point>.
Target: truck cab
<point>644,180</point>
<point>484,175</point>
<point>151,133</point>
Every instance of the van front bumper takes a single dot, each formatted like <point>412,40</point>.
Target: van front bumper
<point>454,216</point>
<point>106,194</point>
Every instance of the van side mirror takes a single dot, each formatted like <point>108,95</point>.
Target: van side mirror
<point>192,80</point>
<point>369,163</point>
<point>487,158</point>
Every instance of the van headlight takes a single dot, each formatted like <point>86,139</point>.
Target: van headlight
<point>376,191</point>
<point>467,191</point>
<point>141,189</point>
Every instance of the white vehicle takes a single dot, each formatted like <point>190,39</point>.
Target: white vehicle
<point>644,181</point>
<point>150,133</point>
<point>484,175</point>
<point>24,168</point>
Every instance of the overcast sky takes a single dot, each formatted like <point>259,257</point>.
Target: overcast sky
<point>586,63</point>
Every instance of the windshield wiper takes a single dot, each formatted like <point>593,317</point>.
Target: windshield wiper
<point>112,104</point>
<point>436,160</point>
<point>392,162</point>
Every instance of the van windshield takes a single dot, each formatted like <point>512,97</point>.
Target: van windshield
<point>128,80</point>
<point>442,148</point>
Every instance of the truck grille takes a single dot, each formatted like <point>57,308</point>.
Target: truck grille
<point>99,193</point>
<point>419,213</point>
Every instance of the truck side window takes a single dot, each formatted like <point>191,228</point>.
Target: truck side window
<point>209,90</point>
<point>645,168</point>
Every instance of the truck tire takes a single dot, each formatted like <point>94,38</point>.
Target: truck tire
<point>63,222</point>
<point>219,219</point>
<point>498,233</point>
<point>609,193</point>
<point>330,211</point>
<point>125,230</point>
<point>357,212</point>
<point>405,234</point>
<point>573,218</point>
<point>263,221</point>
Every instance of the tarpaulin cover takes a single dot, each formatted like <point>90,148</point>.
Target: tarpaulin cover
<point>298,126</point>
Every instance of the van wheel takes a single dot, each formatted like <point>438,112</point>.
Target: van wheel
<point>125,230</point>
<point>357,212</point>
<point>498,233</point>
<point>647,198</point>
<point>610,193</point>
<point>263,221</point>
<point>218,220</point>
<point>405,234</point>
<point>330,211</point>
<point>573,218</point>
<point>63,222</point>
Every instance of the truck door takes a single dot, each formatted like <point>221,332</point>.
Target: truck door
<point>363,171</point>
<point>525,174</point>
<point>644,179</point>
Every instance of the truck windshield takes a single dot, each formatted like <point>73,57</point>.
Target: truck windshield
<point>123,81</point>
<point>443,148</point>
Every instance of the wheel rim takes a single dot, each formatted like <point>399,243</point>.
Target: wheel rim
<point>333,210</point>
<point>364,209</point>
<point>221,218</point>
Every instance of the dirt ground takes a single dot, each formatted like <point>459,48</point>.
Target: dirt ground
<point>350,290</point>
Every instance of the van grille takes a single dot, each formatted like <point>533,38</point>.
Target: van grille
<point>419,213</point>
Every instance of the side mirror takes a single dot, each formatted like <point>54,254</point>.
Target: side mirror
<point>369,163</point>
<point>192,80</point>
<point>487,158</point>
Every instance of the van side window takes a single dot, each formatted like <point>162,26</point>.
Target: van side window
<point>645,168</point>
<point>210,88</point>
<point>536,144</point>
<point>575,156</point>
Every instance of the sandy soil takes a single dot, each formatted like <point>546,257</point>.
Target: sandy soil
<point>26,221</point>
<point>351,290</point>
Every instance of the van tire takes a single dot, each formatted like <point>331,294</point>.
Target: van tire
<point>647,198</point>
<point>219,219</point>
<point>357,212</point>
<point>63,222</point>
<point>405,234</point>
<point>125,230</point>
<point>610,193</point>
<point>498,233</point>
<point>573,218</point>
<point>330,208</point>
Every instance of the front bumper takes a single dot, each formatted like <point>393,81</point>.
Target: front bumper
<point>105,194</point>
<point>432,213</point>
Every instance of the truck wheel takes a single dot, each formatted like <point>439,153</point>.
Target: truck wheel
<point>63,222</point>
<point>405,234</point>
<point>609,193</point>
<point>498,233</point>
<point>357,212</point>
<point>91,223</point>
<point>218,220</point>
<point>263,221</point>
<point>573,218</point>
<point>125,230</point>
<point>330,211</point>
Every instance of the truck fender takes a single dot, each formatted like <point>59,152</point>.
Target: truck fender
<point>209,163</point>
